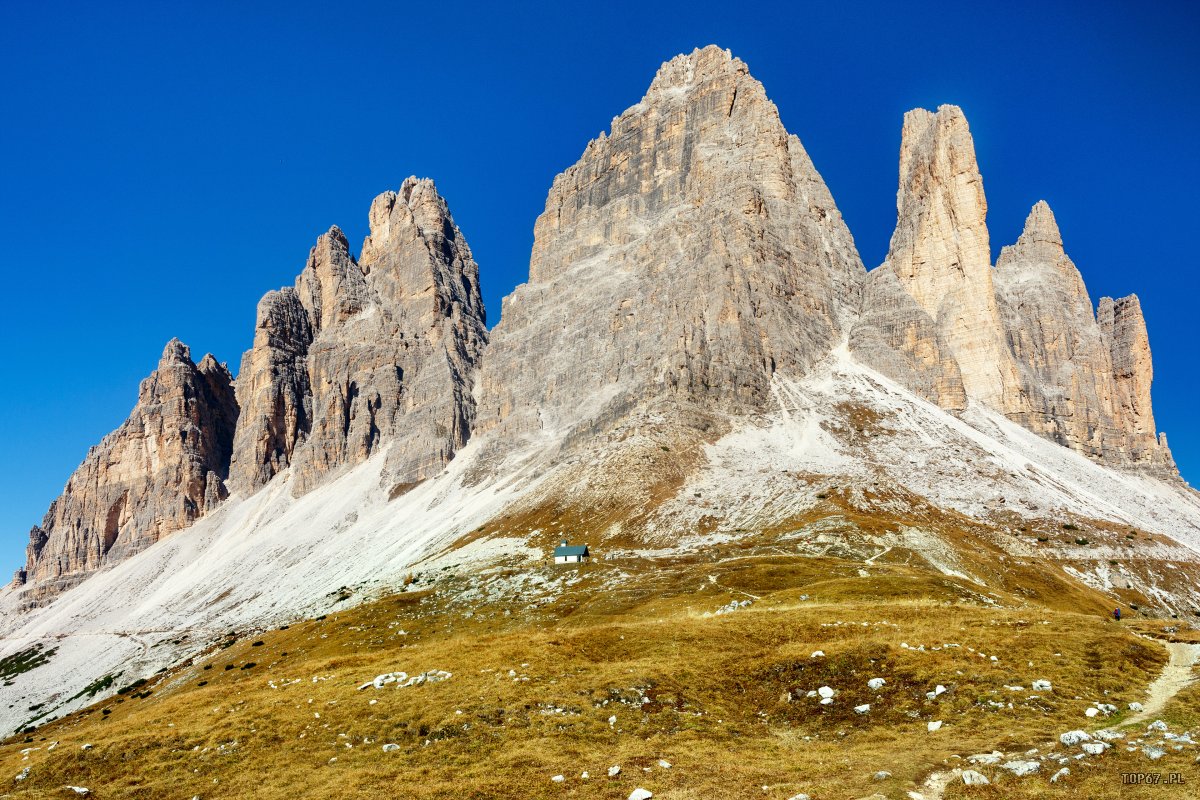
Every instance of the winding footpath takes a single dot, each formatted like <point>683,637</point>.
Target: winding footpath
<point>1176,676</point>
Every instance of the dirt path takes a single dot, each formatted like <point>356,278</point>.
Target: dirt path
<point>1177,675</point>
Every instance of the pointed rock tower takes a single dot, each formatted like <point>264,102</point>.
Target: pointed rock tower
<point>367,354</point>
<point>940,253</point>
<point>690,254</point>
<point>1087,379</point>
<point>159,472</point>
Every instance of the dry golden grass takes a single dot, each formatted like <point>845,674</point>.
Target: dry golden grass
<point>710,694</point>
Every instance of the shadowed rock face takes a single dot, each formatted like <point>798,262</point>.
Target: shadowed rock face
<point>895,336</point>
<point>690,254</point>
<point>160,471</point>
<point>365,354</point>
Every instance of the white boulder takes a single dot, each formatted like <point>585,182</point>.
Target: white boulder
<point>972,778</point>
<point>1072,738</point>
<point>1021,768</point>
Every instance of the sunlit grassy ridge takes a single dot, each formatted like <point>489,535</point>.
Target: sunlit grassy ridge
<point>561,671</point>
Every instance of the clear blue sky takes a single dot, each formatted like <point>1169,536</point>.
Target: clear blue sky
<point>165,164</point>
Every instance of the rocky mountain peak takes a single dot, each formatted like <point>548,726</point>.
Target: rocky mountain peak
<point>162,469</point>
<point>940,250</point>
<point>1041,227</point>
<point>175,352</point>
<point>367,353</point>
<point>690,254</point>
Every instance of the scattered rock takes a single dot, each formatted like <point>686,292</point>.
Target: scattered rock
<point>614,771</point>
<point>986,758</point>
<point>1042,686</point>
<point>640,794</point>
<point>972,778</point>
<point>1157,725</point>
<point>863,709</point>
<point>1021,768</point>
<point>1153,752</point>
<point>1062,773</point>
<point>82,791</point>
<point>22,775</point>
<point>1072,738</point>
<point>933,726</point>
<point>1136,707</point>
<point>825,692</point>
<point>875,684</point>
<point>1095,748</point>
<point>662,762</point>
<point>818,654</point>
<point>882,775</point>
<point>390,747</point>
<point>558,778</point>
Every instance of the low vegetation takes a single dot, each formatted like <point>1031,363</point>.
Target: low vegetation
<point>562,671</point>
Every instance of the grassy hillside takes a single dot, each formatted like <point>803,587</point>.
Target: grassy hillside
<point>562,671</point>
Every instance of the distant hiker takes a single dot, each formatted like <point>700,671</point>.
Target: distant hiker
<point>1117,614</point>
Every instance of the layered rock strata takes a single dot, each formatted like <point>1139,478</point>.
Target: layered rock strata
<point>940,252</point>
<point>160,471</point>
<point>367,353</point>
<point>1023,338</point>
<point>690,254</point>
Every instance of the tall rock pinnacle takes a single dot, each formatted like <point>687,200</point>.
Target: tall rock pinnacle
<point>1086,379</point>
<point>1052,332</point>
<point>940,251</point>
<point>1123,329</point>
<point>690,253</point>
<point>160,471</point>
<point>366,354</point>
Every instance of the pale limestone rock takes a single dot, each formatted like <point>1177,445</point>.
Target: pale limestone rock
<point>939,251</point>
<point>1051,329</point>
<point>160,471</point>
<point>692,253</point>
<point>1087,379</point>
<point>1123,329</point>
<point>367,354</point>
<point>273,392</point>
<point>898,338</point>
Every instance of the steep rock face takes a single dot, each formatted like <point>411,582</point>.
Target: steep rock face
<point>690,254</point>
<point>272,391</point>
<point>367,353</point>
<point>1123,329</point>
<point>898,338</point>
<point>940,252</point>
<point>1086,377</point>
<point>160,471</point>
<point>1051,329</point>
